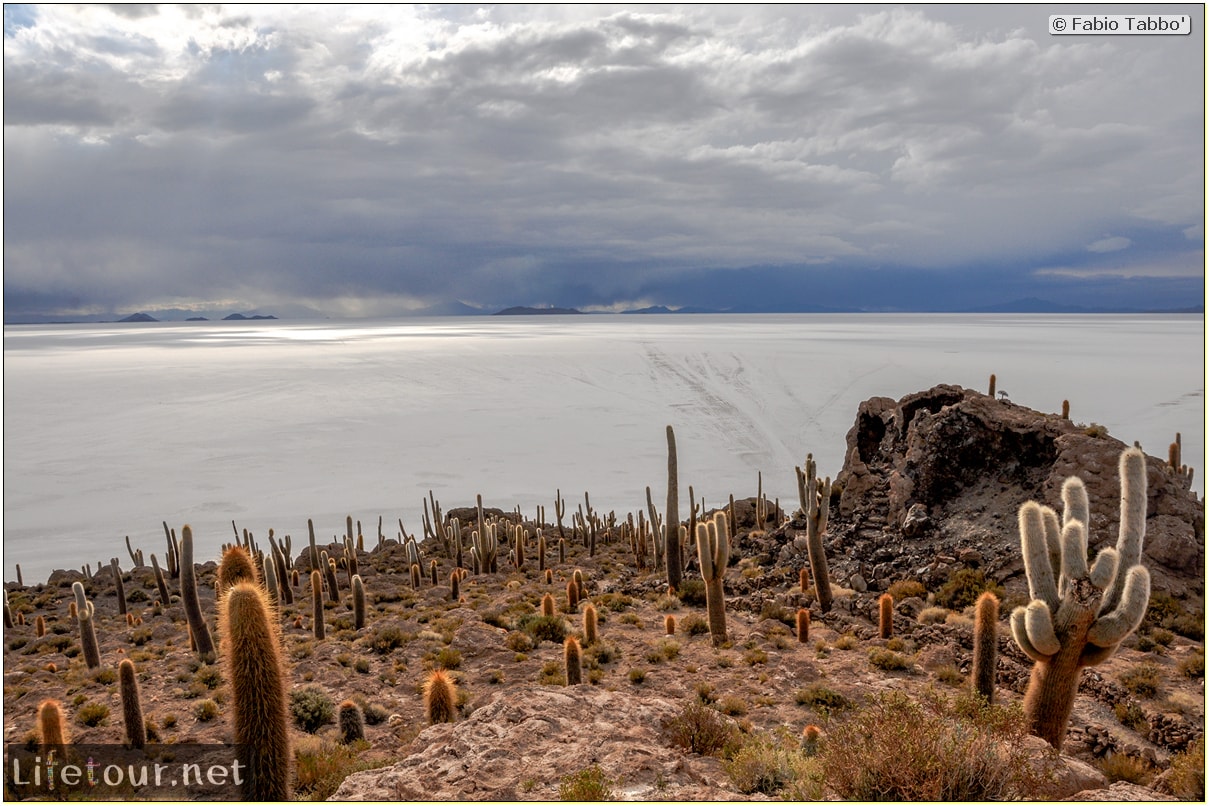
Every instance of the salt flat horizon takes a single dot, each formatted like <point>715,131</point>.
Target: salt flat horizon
<point>111,429</point>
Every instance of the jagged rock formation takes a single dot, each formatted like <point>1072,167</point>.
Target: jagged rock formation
<point>933,482</point>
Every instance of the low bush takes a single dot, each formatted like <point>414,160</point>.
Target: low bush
<point>1143,680</point>
<point>1187,778</point>
<point>588,784</point>
<point>311,708</point>
<point>698,729</point>
<point>768,766</point>
<point>963,588</point>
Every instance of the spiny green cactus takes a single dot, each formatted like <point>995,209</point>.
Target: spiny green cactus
<point>1070,624</point>
<point>39,627</point>
<point>986,645</point>
<point>572,596</point>
<point>589,615</point>
<point>132,705</point>
<point>256,675</point>
<point>815,498</point>
<point>803,625</point>
<point>415,576</point>
<point>190,599</point>
<point>88,634</point>
<point>352,723</point>
<point>317,605</point>
<point>885,616</point>
<point>358,602</point>
<point>713,553</point>
<point>440,698</point>
<point>573,660</point>
<point>674,563</point>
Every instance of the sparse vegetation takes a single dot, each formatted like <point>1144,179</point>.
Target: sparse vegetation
<point>698,729</point>
<point>588,784</point>
<point>311,708</point>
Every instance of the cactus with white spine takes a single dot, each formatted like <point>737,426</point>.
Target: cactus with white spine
<point>713,553</point>
<point>1078,615</point>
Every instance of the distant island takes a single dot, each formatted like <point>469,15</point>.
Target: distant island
<point>521,310</point>
<point>239,317</point>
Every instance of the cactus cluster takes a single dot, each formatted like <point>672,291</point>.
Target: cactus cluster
<point>713,553</point>
<point>815,498</point>
<point>1078,614</point>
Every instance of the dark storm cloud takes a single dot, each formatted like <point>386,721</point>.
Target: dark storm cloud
<point>363,160</point>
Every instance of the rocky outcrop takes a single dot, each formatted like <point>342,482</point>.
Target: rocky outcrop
<point>933,481</point>
<point>519,747</point>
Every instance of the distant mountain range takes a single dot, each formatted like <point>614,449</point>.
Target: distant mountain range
<point>456,308</point>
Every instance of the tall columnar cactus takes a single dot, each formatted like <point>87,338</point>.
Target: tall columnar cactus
<point>132,705</point>
<point>117,584</point>
<point>189,597</point>
<point>440,698</point>
<point>713,553</point>
<point>236,566</point>
<point>270,580</point>
<point>256,674</point>
<point>991,389</point>
<point>317,605</point>
<point>88,633</point>
<point>885,616</point>
<point>815,498</point>
<point>986,645</point>
<point>1070,624</point>
<point>160,583</point>
<point>358,602</point>
<point>675,565</point>
<point>573,660</point>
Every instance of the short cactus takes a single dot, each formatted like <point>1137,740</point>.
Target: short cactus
<point>88,634</point>
<point>885,616</point>
<point>986,645</point>
<point>454,580</point>
<point>803,625</point>
<point>589,616</point>
<point>256,674</point>
<point>572,596</point>
<point>351,722</point>
<point>1069,624</point>
<point>236,566</point>
<point>573,660</point>
<point>51,727</point>
<point>440,698</point>
<point>132,705</point>
<point>713,553</point>
<point>669,624</point>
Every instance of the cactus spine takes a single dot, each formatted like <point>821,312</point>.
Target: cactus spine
<point>885,616</point>
<point>675,565</point>
<point>256,675</point>
<point>1069,624</point>
<point>439,698</point>
<point>193,611</point>
<point>815,498</point>
<point>573,660</point>
<point>352,723</point>
<point>590,636</point>
<point>803,625</point>
<point>986,645</point>
<point>317,605</point>
<point>132,706</point>
<point>88,634</point>
<point>713,553</point>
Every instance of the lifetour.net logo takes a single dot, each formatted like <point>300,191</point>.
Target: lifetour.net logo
<point>115,772</point>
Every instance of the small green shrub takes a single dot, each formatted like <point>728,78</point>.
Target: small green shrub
<point>92,714</point>
<point>205,710</point>
<point>732,706</point>
<point>518,641</point>
<point>694,625</point>
<point>311,708</point>
<point>963,588</point>
<point>819,696</point>
<point>698,729</point>
<point>846,641</point>
<point>544,628</point>
<point>386,639</point>
<point>1143,680</point>
<point>1187,779</point>
<point>766,766</point>
<point>906,588</point>
<point>588,784</point>
<point>1132,716</point>
<point>449,658</point>
<point>1124,767</point>
<point>888,660</point>
<point>637,675</point>
<point>692,592</point>
<point>1193,665</point>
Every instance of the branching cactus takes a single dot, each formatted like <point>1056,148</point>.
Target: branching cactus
<point>1078,615</point>
<point>815,497</point>
<point>713,552</point>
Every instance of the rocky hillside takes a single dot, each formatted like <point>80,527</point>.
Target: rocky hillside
<point>925,507</point>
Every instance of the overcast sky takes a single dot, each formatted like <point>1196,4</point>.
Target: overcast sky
<point>373,160</point>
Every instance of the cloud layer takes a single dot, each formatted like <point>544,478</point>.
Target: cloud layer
<point>369,160</point>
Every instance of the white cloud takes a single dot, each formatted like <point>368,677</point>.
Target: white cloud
<point>1112,243</point>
